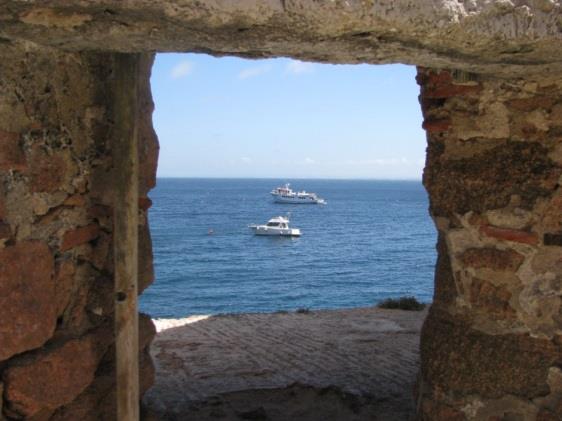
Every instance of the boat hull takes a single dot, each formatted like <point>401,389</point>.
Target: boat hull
<point>279,232</point>
<point>298,201</point>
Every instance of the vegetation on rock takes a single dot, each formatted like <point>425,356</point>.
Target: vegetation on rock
<point>402,303</point>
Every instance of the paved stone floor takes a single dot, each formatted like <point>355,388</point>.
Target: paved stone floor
<point>357,364</point>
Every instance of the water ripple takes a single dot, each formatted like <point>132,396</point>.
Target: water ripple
<point>373,240</point>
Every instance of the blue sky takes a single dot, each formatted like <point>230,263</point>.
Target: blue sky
<point>282,118</point>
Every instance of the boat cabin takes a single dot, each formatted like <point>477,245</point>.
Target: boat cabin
<point>278,222</point>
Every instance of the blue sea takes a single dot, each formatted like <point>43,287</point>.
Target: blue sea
<point>373,240</point>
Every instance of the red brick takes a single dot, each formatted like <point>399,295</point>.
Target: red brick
<point>507,234</point>
<point>11,154</point>
<point>100,211</point>
<point>79,236</point>
<point>27,292</point>
<point>52,378</point>
<point>47,172</point>
<point>450,90</point>
<point>438,125</point>
<point>97,402</point>
<point>439,78</point>
<point>144,203</point>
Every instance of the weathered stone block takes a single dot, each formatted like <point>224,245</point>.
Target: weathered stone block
<point>48,172</point>
<point>492,258</point>
<point>79,236</point>
<point>514,218</point>
<point>53,377</point>
<point>546,415</point>
<point>27,297</point>
<point>75,200</point>
<point>491,299</point>
<point>64,279</point>
<point>11,153</point>
<point>531,103</point>
<point>489,122</point>
<point>553,239</point>
<point>57,121</point>
<point>2,202</point>
<point>146,268</point>
<point>98,402</point>
<point>488,180</point>
<point>148,140</point>
<point>101,255</point>
<point>5,230</point>
<point>445,292</point>
<point>1,401</point>
<point>551,221</point>
<point>100,212</point>
<point>436,411</point>
<point>462,361</point>
<point>144,203</point>
<point>441,85</point>
<point>451,90</point>
<point>547,259</point>
<point>437,125</point>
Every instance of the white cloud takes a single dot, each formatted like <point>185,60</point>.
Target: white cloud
<point>297,67</point>
<point>254,71</point>
<point>181,70</point>
<point>246,159</point>
<point>309,161</point>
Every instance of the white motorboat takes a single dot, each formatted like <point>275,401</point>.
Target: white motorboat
<point>286,195</point>
<point>276,226</point>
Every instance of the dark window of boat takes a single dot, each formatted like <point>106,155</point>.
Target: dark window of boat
<point>273,224</point>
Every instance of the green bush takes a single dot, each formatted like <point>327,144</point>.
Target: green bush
<point>303,311</point>
<point>402,303</point>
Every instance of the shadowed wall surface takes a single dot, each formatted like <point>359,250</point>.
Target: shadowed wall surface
<point>56,198</point>
<point>491,344</point>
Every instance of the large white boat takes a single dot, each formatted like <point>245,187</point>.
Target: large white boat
<point>276,226</point>
<point>286,195</point>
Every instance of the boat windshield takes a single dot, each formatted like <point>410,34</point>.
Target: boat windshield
<point>273,224</point>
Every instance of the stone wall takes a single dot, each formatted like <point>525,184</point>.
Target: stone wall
<point>56,274</point>
<point>488,36</point>
<point>491,346</point>
<point>492,343</point>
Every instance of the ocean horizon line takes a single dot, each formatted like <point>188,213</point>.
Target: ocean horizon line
<point>284,178</point>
